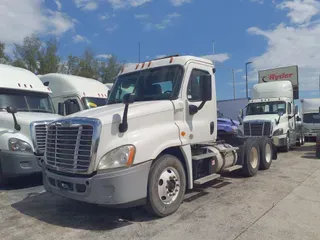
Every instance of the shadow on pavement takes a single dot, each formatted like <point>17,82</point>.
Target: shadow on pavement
<point>22,182</point>
<point>63,212</point>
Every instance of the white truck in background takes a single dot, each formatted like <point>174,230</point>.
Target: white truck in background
<point>271,112</point>
<point>24,101</point>
<point>155,139</point>
<point>310,117</point>
<point>72,94</point>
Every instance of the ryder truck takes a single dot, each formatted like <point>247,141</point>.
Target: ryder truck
<point>155,139</point>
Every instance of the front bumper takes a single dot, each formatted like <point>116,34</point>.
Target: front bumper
<point>18,163</point>
<point>280,140</point>
<point>310,134</point>
<point>123,187</point>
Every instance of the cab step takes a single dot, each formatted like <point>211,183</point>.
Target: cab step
<point>232,168</point>
<point>203,156</point>
<point>206,179</point>
<point>229,149</point>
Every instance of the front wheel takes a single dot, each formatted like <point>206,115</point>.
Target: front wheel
<point>166,186</point>
<point>286,148</point>
<point>266,153</point>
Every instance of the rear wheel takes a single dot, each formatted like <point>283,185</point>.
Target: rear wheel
<point>166,186</point>
<point>251,158</point>
<point>266,153</point>
<point>299,141</point>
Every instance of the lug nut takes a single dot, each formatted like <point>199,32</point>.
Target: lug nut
<point>176,190</point>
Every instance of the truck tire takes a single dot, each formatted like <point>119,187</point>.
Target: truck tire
<point>2,178</point>
<point>166,186</point>
<point>299,141</point>
<point>286,148</point>
<point>251,158</point>
<point>266,153</point>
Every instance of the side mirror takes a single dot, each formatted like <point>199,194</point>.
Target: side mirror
<point>109,93</point>
<point>296,109</point>
<point>206,87</point>
<point>298,119</point>
<point>70,107</point>
<point>241,113</point>
<point>11,110</point>
<point>128,98</point>
<point>61,108</point>
<point>280,114</point>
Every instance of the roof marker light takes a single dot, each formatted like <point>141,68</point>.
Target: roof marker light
<point>25,85</point>
<point>30,85</point>
<point>99,94</point>
<point>149,64</point>
<point>137,66</point>
<point>142,65</point>
<point>19,84</point>
<point>171,59</point>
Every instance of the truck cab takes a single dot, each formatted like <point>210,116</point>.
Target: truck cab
<point>72,94</point>
<point>310,117</point>
<point>156,137</point>
<point>24,101</point>
<point>271,112</point>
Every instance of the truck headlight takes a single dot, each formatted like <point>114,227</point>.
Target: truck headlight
<point>278,132</point>
<point>16,144</point>
<point>120,157</point>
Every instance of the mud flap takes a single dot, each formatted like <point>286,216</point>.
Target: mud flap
<point>274,152</point>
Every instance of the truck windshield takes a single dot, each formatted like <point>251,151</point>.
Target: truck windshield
<point>311,118</point>
<point>92,102</point>
<point>25,101</point>
<point>162,83</point>
<point>266,108</point>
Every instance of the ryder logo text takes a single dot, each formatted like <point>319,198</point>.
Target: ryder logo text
<point>275,77</point>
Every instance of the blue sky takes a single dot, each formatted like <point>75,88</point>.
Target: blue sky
<point>271,33</point>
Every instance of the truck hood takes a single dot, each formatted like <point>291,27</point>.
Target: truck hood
<point>114,112</point>
<point>24,119</point>
<point>262,117</point>
<point>228,122</point>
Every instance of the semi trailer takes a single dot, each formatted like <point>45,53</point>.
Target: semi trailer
<point>156,138</point>
<point>310,117</point>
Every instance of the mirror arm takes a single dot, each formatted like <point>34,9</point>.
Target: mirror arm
<point>16,125</point>
<point>201,105</point>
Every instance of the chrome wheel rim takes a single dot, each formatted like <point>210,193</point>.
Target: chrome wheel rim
<point>268,151</point>
<point>169,185</point>
<point>254,157</point>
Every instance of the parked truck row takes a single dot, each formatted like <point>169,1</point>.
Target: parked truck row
<point>157,132</point>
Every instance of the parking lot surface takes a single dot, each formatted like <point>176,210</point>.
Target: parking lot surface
<point>280,203</point>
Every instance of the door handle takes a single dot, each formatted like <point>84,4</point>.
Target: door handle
<point>211,128</point>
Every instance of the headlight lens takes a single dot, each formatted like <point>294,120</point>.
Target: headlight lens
<point>119,157</point>
<point>278,132</point>
<point>16,144</point>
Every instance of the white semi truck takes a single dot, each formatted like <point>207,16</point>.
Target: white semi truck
<point>72,94</point>
<point>271,112</point>
<point>24,101</point>
<point>310,117</point>
<point>155,139</point>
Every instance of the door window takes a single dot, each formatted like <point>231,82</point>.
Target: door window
<point>193,90</point>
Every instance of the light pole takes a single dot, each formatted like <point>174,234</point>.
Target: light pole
<point>234,85</point>
<point>247,63</point>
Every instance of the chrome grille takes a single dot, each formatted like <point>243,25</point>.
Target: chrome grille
<point>38,133</point>
<point>257,128</point>
<point>71,145</point>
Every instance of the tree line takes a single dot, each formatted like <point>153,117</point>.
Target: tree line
<point>42,57</point>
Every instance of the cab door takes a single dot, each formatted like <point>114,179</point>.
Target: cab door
<point>291,123</point>
<point>202,125</point>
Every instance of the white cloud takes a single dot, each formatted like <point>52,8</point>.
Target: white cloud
<point>160,56</point>
<point>59,5</point>
<point>300,11</point>
<point>296,44</point>
<point>222,57</point>
<point>141,16</point>
<point>117,4</point>
<point>86,5</point>
<point>179,2</point>
<point>104,56</point>
<point>78,39</point>
<point>23,18</point>
<point>166,22</point>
